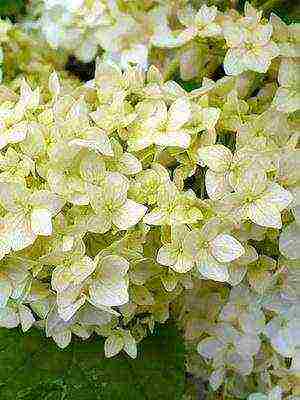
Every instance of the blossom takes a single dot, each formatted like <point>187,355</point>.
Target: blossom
<point>250,47</point>
<point>212,251</point>
<point>261,201</point>
<point>201,23</point>
<point>112,207</point>
<point>224,168</point>
<point>174,207</point>
<point>174,255</point>
<point>28,214</point>
<point>161,126</point>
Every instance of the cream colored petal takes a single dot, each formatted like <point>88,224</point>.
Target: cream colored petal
<point>156,217</point>
<point>66,313</point>
<point>20,232</point>
<point>217,157</point>
<point>289,241</point>
<point>216,185</point>
<point>257,60</point>
<point>183,264</point>
<point>129,214</point>
<point>41,221</point>
<point>62,339</point>
<point>82,269</point>
<point>61,278</point>
<point>234,34</point>
<point>277,196</point>
<point>234,61</point>
<point>210,268</point>
<point>113,345</point>
<point>167,255</point>
<point>130,346</point>
<point>26,317</point>
<point>263,214</point>
<point>173,139</point>
<point>226,248</point>
<point>112,267</point>
<point>114,294</point>
<point>179,113</point>
<point>5,291</point>
<point>128,164</point>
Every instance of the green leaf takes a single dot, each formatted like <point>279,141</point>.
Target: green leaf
<point>12,8</point>
<point>32,367</point>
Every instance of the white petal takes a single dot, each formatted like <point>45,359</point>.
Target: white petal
<point>217,157</point>
<point>264,214</point>
<point>156,217</point>
<point>8,317</point>
<point>5,291</point>
<point>233,62</point>
<point>111,295</point>
<point>99,223</point>
<point>178,114</point>
<point>82,269</point>
<point>61,278</point>
<point>112,267</point>
<point>216,185</point>
<point>17,133</point>
<point>289,241</point>
<point>26,317</point>
<point>277,196</point>
<point>41,221</point>
<point>257,61</point>
<point>226,248</point>
<point>102,145</point>
<point>129,214</point>
<point>209,348</point>
<point>129,164</point>
<point>210,268</point>
<point>68,312</point>
<point>130,346</point>
<point>174,139</point>
<point>20,232</point>
<point>167,255</point>
<point>62,339</point>
<point>183,264</point>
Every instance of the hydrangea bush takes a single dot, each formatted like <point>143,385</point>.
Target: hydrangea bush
<point>128,199</point>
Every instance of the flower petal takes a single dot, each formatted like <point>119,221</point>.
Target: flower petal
<point>263,214</point>
<point>226,248</point>
<point>41,221</point>
<point>210,268</point>
<point>217,157</point>
<point>129,214</point>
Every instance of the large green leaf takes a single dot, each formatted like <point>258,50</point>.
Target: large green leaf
<point>33,368</point>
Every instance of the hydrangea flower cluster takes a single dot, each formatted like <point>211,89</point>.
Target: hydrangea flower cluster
<point>127,198</point>
<point>121,28</point>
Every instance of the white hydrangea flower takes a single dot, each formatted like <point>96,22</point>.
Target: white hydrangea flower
<point>212,251</point>
<point>201,23</point>
<point>28,214</point>
<point>261,201</point>
<point>174,207</point>
<point>250,44</point>
<point>161,126</point>
<point>174,255</point>
<point>112,207</point>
